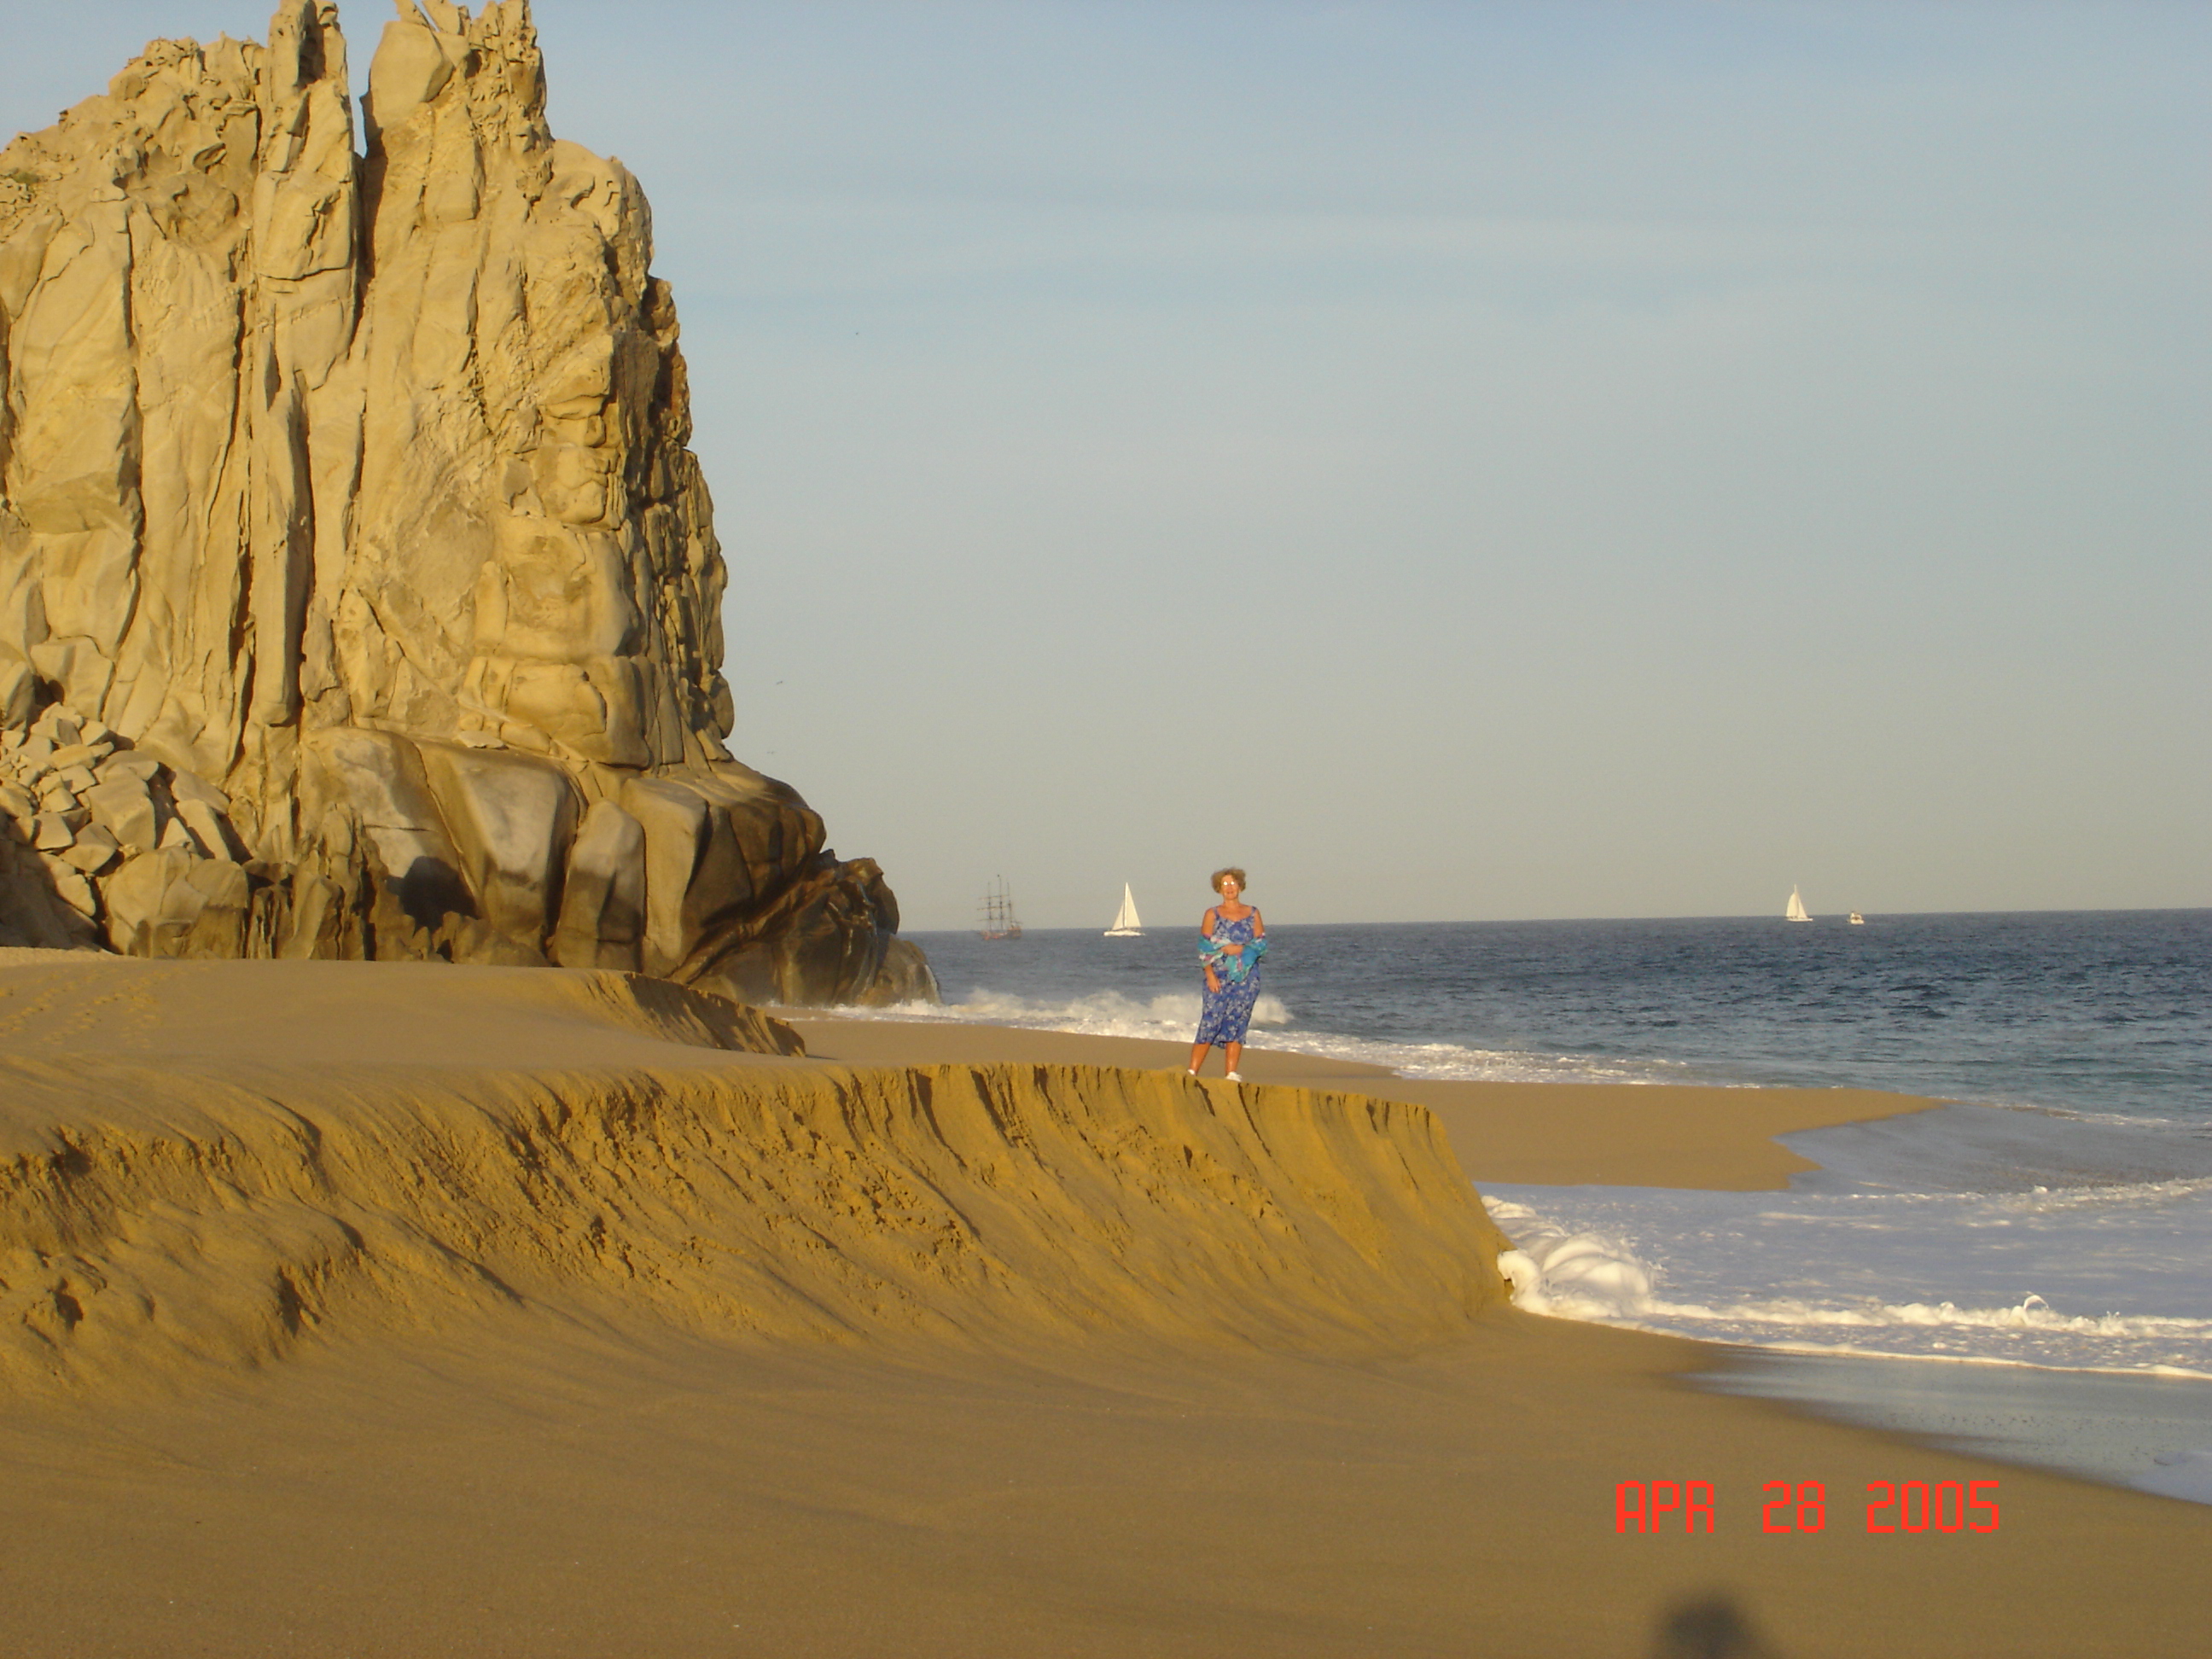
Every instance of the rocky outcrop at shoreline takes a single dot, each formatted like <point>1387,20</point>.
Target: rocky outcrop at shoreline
<point>359,596</point>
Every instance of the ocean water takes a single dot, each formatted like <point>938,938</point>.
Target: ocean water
<point>2084,1011</point>
<point>2049,1233</point>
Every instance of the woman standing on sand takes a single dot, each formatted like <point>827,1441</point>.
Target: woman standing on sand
<point>1235,939</point>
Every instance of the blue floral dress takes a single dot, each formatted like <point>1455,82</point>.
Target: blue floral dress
<point>1228,1011</point>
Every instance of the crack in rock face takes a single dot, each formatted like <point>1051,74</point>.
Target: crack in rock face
<point>359,596</point>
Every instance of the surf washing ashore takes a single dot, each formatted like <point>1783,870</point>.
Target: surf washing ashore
<point>2058,1215</point>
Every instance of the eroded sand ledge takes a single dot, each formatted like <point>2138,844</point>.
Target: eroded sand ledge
<point>435,1310</point>
<point>205,1163</point>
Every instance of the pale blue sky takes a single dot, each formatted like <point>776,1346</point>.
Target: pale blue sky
<point>1456,460</point>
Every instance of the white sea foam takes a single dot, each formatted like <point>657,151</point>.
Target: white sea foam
<point>1588,1276</point>
<point>1574,1275</point>
<point>1456,1061</point>
<point>1172,1017</point>
<point>1825,1274</point>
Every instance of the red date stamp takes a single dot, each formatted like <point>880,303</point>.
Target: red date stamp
<point>1639,1508</point>
<point>1909,1506</point>
<point>1947,1506</point>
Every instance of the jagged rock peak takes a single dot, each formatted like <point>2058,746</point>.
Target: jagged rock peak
<point>351,494</point>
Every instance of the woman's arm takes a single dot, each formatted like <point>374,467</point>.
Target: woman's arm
<point>1206,923</point>
<point>1251,953</point>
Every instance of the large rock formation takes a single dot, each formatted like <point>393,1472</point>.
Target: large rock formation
<point>358,594</point>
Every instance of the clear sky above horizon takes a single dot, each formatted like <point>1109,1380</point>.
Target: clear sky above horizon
<point>1456,460</point>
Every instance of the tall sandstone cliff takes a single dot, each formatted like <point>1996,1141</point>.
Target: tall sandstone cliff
<point>359,596</point>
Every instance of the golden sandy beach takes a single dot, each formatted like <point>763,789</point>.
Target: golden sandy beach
<point>408,1310</point>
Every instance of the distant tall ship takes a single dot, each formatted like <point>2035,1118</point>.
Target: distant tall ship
<point>1125,925</point>
<point>1797,911</point>
<point>998,908</point>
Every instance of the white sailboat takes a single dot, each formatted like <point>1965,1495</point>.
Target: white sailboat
<point>1126,924</point>
<point>1797,910</point>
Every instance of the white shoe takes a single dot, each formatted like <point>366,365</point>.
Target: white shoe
<point>1237,1077</point>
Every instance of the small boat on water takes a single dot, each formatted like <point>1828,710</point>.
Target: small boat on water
<point>1126,924</point>
<point>1857,920</point>
<point>1797,911</point>
<point>997,905</point>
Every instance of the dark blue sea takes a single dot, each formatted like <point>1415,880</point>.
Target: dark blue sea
<point>2052,1231</point>
<point>2106,1011</point>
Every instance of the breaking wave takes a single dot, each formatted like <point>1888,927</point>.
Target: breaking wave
<point>1170,1016</point>
<point>1574,1273</point>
